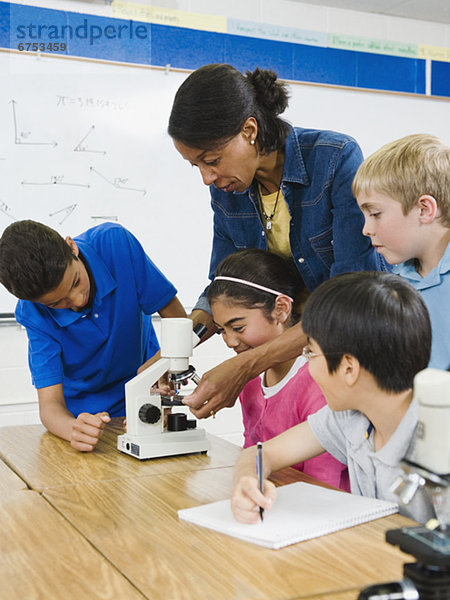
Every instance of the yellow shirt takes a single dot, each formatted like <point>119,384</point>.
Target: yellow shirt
<point>278,235</point>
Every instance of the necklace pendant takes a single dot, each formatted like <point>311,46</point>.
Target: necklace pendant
<point>269,225</point>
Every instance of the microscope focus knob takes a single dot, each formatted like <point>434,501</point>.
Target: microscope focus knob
<point>149,413</point>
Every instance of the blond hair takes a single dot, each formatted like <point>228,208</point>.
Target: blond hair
<point>407,169</point>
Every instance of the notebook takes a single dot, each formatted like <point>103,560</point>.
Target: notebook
<point>301,511</point>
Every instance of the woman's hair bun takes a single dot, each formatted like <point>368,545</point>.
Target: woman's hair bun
<point>270,94</point>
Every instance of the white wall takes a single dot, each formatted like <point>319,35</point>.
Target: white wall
<point>18,404</point>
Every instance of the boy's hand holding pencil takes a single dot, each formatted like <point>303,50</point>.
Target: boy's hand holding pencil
<point>252,494</point>
<point>247,499</point>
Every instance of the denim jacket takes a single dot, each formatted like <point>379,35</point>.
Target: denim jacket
<point>326,223</point>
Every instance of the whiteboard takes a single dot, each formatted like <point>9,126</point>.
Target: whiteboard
<point>373,118</point>
<point>85,142</point>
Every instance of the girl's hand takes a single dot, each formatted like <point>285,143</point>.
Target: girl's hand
<point>163,386</point>
<point>246,499</point>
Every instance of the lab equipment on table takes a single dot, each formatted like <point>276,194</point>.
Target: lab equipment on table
<point>429,577</point>
<point>149,434</point>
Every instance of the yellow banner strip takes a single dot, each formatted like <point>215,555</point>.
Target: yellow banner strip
<point>433,52</point>
<point>168,16</point>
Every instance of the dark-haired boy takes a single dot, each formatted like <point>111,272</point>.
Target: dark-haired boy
<point>369,333</point>
<point>86,304</point>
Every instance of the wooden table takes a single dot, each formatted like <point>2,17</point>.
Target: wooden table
<point>129,521</point>
<point>348,595</point>
<point>43,556</point>
<point>9,481</point>
<point>43,460</point>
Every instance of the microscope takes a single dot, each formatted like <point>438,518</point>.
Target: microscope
<point>149,434</point>
<point>429,577</point>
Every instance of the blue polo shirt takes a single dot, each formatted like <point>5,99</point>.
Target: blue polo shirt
<point>94,352</point>
<point>435,290</point>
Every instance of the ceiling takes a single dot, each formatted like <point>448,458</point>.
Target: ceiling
<point>423,10</point>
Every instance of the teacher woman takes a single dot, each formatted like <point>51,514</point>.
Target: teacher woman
<point>273,186</point>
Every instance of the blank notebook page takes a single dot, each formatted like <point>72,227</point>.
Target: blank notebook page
<point>301,511</point>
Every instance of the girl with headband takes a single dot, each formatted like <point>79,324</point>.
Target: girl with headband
<point>254,298</point>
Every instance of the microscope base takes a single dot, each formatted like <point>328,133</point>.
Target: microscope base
<point>431,585</point>
<point>166,443</point>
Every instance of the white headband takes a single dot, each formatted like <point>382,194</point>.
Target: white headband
<point>254,285</point>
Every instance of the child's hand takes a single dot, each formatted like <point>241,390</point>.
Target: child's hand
<point>87,429</point>
<point>247,499</point>
<point>163,387</point>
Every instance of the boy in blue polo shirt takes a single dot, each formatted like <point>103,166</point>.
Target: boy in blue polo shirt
<point>403,192</point>
<point>86,304</point>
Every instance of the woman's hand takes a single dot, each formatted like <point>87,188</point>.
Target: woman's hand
<point>218,388</point>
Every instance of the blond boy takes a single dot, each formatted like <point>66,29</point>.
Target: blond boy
<point>403,190</point>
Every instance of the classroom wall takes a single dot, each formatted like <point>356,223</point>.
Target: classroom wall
<point>299,41</point>
<point>287,13</point>
<point>399,52</point>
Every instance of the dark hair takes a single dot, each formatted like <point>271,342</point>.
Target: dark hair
<point>263,268</point>
<point>33,259</point>
<point>213,103</point>
<point>378,318</point>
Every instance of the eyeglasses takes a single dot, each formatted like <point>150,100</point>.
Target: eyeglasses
<point>308,354</point>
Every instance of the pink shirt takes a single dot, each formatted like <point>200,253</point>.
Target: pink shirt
<point>266,417</point>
